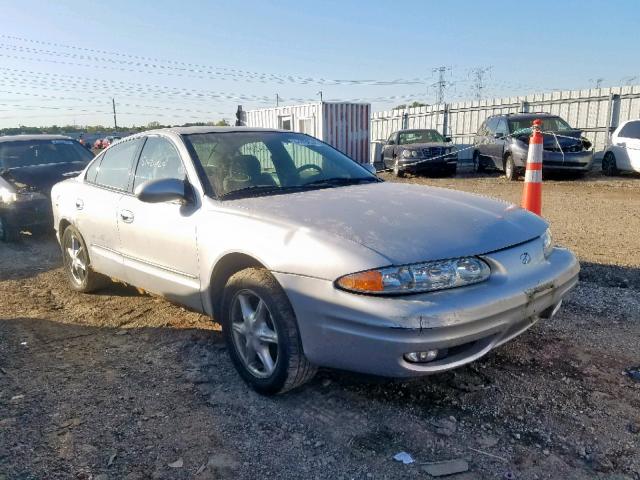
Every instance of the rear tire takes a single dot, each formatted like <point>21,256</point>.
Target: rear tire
<point>77,265</point>
<point>609,167</point>
<point>510,171</point>
<point>261,333</point>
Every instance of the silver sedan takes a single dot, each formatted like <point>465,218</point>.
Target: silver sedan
<point>305,257</point>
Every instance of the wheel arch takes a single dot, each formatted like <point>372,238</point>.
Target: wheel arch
<point>224,268</point>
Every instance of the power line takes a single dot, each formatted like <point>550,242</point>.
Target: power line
<point>441,84</point>
<point>478,80</point>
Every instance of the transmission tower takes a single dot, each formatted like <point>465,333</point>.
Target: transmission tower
<point>441,84</point>
<point>478,80</point>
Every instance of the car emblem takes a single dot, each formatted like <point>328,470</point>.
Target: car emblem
<point>525,258</point>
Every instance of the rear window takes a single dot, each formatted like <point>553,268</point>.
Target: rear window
<point>28,153</point>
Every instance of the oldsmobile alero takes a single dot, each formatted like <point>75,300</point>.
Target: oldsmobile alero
<point>305,257</point>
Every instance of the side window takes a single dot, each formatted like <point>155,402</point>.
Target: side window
<point>392,139</point>
<point>492,125</point>
<point>92,171</point>
<point>159,159</point>
<point>630,130</point>
<point>502,127</point>
<point>116,165</point>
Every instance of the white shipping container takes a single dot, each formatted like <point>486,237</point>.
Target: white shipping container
<point>342,125</point>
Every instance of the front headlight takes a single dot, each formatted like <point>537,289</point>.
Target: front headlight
<point>419,277</point>
<point>7,196</point>
<point>409,153</point>
<point>547,243</point>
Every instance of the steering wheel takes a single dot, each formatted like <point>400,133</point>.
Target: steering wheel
<point>309,166</point>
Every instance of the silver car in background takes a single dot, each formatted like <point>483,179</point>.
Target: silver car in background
<point>305,257</point>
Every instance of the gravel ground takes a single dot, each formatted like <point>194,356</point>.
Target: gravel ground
<point>122,385</point>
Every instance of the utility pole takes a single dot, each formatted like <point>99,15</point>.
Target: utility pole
<point>441,84</point>
<point>277,100</point>
<point>478,80</point>
<point>320,93</point>
<point>597,82</point>
<point>115,122</point>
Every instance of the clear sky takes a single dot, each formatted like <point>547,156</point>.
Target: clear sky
<point>62,61</point>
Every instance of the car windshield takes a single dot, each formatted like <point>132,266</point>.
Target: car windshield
<point>27,153</point>
<point>549,124</point>
<point>420,136</point>
<point>262,163</point>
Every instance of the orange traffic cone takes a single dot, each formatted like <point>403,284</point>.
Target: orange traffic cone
<point>532,195</point>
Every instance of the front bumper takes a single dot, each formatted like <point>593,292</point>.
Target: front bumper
<point>28,214</point>
<point>422,165</point>
<point>556,161</point>
<point>371,334</point>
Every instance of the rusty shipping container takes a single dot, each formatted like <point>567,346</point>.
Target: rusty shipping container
<point>343,125</point>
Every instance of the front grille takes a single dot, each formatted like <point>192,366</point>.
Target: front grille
<point>569,149</point>
<point>433,152</point>
<point>560,163</point>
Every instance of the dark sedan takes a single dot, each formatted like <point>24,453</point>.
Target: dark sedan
<point>502,142</point>
<point>29,167</point>
<point>417,151</point>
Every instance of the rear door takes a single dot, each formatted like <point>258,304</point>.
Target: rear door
<point>629,141</point>
<point>96,205</point>
<point>158,240</point>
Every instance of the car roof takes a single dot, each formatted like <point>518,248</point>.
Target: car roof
<point>27,138</point>
<point>205,129</point>
<point>524,115</point>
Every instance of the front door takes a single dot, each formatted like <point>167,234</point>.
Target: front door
<point>158,240</point>
<point>106,181</point>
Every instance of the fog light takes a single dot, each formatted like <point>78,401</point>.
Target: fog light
<point>421,357</point>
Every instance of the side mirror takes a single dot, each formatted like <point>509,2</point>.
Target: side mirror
<point>498,135</point>
<point>447,139</point>
<point>371,168</point>
<point>162,190</point>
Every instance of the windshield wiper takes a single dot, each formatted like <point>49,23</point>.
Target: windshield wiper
<point>337,181</point>
<point>258,190</point>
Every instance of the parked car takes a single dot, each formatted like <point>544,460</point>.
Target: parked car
<point>502,142</point>
<point>106,141</point>
<point>97,145</point>
<point>29,166</point>
<point>305,257</point>
<point>623,154</point>
<point>417,151</point>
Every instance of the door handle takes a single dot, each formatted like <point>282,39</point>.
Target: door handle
<point>126,216</point>
<point>79,204</point>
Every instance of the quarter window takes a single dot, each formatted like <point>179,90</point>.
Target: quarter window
<point>630,130</point>
<point>116,163</point>
<point>159,159</point>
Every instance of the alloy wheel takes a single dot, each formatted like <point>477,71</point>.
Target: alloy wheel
<point>254,334</point>
<point>76,259</point>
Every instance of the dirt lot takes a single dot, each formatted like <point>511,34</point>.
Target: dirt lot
<point>122,385</point>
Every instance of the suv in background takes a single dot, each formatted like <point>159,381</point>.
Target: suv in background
<point>502,142</point>
<point>419,150</point>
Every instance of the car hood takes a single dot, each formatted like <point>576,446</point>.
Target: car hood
<point>567,138</point>
<point>404,223</point>
<point>42,178</point>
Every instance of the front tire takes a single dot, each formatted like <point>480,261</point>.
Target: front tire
<point>510,171</point>
<point>8,233</point>
<point>609,166</point>
<point>261,333</point>
<point>77,265</point>
<point>478,166</point>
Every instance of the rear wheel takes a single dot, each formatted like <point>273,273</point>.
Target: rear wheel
<point>77,265</point>
<point>451,170</point>
<point>510,171</point>
<point>8,233</point>
<point>261,333</point>
<point>609,166</point>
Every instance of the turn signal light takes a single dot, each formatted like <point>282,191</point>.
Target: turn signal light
<point>369,281</point>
